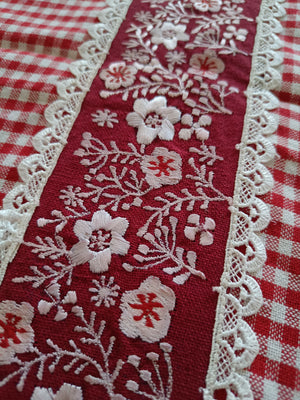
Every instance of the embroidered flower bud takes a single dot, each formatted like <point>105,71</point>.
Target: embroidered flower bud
<point>143,249</point>
<point>134,360</point>
<point>166,347</point>
<point>152,356</point>
<point>145,375</point>
<point>133,386</point>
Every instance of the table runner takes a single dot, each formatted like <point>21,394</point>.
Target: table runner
<point>161,166</point>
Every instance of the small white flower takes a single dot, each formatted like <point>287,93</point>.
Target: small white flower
<point>146,310</point>
<point>102,117</point>
<point>207,5</point>
<point>162,167</point>
<point>232,32</point>
<point>169,34</point>
<point>66,392</point>
<point>175,57</point>
<point>206,237</point>
<point>16,333</point>
<point>153,118</point>
<point>98,240</point>
<point>104,292</point>
<point>207,64</point>
<point>118,74</point>
<point>195,127</point>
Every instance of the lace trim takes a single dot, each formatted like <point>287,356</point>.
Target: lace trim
<point>20,203</point>
<point>234,344</point>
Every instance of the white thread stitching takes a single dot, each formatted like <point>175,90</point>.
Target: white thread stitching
<point>20,203</point>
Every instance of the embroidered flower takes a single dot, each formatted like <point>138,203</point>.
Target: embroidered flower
<point>175,57</point>
<point>207,64</point>
<point>104,293</point>
<point>169,34</point>
<point>102,117</point>
<point>16,333</point>
<point>207,5</point>
<point>206,237</point>
<point>71,196</point>
<point>195,127</point>
<point>118,74</point>
<point>98,240</point>
<point>153,118</point>
<point>135,55</point>
<point>66,392</point>
<point>146,310</point>
<point>162,167</point>
<point>232,32</point>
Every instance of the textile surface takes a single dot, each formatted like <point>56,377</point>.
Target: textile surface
<point>274,373</point>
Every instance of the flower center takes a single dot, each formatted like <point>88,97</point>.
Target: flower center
<point>153,120</point>
<point>168,34</point>
<point>99,240</point>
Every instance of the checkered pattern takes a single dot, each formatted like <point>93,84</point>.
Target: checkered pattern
<point>275,374</point>
<point>38,41</point>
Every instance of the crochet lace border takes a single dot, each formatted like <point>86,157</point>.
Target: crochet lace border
<point>234,345</point>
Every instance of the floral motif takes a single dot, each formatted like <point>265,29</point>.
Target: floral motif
<point>232,32</point>
<point>169,34</point>
<point>146,310</point>
<point>105,117</point>
<point>118,74</point>
<point>207,64</point>
<point>16,333</point>
<point>104,293</point>
<point>98,240</point>
<point>162,167</point>
<point>66,392</point>
<point>206,237</point>
<point>195,127</point>
<point>153,118</point>
<point>207,5</point>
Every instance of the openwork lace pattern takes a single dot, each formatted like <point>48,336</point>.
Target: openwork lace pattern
<point>234,344</point>
<point>20,203</point>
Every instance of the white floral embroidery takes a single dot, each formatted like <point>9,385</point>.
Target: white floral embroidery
<point>169,34</point>
<point>232,32</point>
<point>162,167</point>
<point>66,392</point>
<point>53,291</point>
<point>206,237</point>
<point>104,292</point>
<point>207,5</point>
<point>105,117</point>
<point>195,127</point>
<point>176,57</point>
<point>98,240</point>
<point>207,64</point>
<point>153,118</point>
<point>118,74</point>
<point>146,310</point>
<point>16,333</point>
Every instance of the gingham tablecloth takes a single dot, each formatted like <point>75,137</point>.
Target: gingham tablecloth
<point>38,42</point>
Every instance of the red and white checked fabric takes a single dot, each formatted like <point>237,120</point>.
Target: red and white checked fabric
<point>38,41</point>
<point>275,373</point>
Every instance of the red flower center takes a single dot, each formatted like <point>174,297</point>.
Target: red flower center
<point>162,167</point>
<point>147,307</point>
<point>10,330</point>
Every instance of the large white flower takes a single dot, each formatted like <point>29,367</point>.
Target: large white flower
<point>153,118</point>
<point>98,240</point>
<point>66,392</point>
<point>16,333</point>
<point>146,310</point>
<point>162,167</point>
<point>169,34</point>
<point>118,74</point>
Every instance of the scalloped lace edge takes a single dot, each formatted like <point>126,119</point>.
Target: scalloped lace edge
<point>234,344</point>
<point>19,204</point>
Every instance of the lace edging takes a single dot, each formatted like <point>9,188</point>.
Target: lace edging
<point>20,203</point>
<point>234,344</point>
